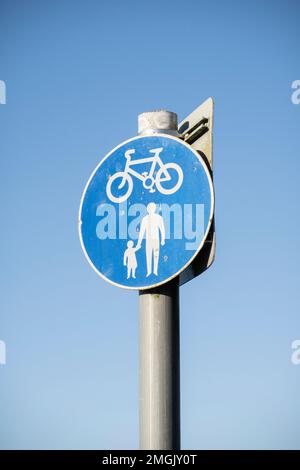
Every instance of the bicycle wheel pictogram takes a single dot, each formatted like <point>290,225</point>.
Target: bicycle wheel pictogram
<point>118,181</point>
<point>162,179</point>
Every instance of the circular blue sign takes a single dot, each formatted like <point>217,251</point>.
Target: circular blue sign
<point>146,211</point>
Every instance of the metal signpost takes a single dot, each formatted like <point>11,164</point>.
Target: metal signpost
<point>146,216</point>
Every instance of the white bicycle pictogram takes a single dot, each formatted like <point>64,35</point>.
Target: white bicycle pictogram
<point>149,179</point>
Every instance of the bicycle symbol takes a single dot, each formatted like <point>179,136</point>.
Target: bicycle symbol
<point>149,179</point>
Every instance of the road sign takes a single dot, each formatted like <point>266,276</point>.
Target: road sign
<point>146,211</point>
<point>196,130</point>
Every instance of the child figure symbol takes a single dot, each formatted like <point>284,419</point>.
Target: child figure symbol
<point>130,259</point>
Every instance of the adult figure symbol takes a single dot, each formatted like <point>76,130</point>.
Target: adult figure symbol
<point>153,230</point>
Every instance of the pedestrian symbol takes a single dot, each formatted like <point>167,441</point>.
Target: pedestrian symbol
<point>146,211</point>
<point>152,228</point>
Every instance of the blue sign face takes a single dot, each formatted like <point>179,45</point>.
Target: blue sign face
<point>146,211</point>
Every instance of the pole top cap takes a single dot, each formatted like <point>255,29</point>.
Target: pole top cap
<point>159,121</point>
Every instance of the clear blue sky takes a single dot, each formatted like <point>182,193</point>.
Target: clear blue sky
<point>77,75</point>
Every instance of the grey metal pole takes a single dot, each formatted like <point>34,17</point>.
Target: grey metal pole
<point>159,340</point>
